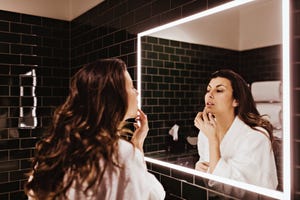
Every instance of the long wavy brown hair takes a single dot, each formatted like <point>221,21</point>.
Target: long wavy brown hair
<point>246,109</point>
<point>85,129</point>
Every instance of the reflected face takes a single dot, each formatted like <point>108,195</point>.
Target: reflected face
<point>219,98</point>
<point>132,95</point>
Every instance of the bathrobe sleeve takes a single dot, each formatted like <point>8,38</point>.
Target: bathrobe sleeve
<point>138,182</point>
<point>250,160</point>
<point>203,148</point>
<point>246,156</point>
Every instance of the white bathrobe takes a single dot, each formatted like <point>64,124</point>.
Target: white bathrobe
<point>131,181</point>
<point>246,155</point>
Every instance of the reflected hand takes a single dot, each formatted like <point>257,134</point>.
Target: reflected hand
<point>206,123</point>
<point>202,166</point>
<point>141,130</point>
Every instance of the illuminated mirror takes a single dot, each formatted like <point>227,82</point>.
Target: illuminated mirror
<point>175,60</point>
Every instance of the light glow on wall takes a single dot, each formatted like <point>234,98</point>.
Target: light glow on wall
<point>27,114</point>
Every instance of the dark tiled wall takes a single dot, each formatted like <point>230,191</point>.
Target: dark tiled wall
<point>267,61</point>
<point>26,43</point>
<point>103,32</point>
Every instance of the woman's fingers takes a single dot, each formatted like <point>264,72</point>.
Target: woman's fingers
<point>202,166</point>
<point>198,121</point>
<point>211,119</point>
<point>141,114</point>
<point>207,123</point>
<point>141,130</point>
<point>204,115</point>
<point>142,120</point>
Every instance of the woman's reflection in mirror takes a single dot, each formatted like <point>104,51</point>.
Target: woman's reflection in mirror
<point>234,140</point>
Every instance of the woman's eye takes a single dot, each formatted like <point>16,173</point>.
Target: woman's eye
<point>219,90</point>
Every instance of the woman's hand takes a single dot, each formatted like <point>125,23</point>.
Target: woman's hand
<point>141,130</point>
<point>202,166</point>
<point>207,124</point>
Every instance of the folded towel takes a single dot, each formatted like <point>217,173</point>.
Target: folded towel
<point>268,91</point>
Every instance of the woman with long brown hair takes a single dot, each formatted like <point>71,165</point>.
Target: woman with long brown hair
<point>234,141</point>
<point>84,155</point>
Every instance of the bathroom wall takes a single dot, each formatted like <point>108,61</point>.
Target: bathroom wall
<point>107,30</point>
<point>26,43</point>
<point>266,60</point>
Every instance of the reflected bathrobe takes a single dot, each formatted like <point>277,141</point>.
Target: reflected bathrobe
<point>131,181</point>
<point>246,155</point>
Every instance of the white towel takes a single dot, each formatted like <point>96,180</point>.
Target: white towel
<point>273,112</point>
<point>269,91</point>
<point>174,132</point>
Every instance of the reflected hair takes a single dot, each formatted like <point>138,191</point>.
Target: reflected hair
<point>84,130</point>
<point>246,109</point>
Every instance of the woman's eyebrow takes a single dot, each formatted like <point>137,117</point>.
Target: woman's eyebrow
<point>220,85</point>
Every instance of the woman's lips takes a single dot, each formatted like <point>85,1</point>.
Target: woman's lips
<point>210,104</point>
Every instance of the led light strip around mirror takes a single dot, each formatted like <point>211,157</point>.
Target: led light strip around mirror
<point>286,194</point>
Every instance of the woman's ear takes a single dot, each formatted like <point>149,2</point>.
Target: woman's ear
<point>235,103</point>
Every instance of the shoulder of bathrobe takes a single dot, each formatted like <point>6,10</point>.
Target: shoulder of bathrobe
<point>128,153</point>
<point>258,133</point>
<point>258,136</point>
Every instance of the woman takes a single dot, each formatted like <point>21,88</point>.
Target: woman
<point>234,141</point>
<point>84,156</point>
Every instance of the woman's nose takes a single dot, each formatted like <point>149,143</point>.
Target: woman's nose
<point>210,95</point>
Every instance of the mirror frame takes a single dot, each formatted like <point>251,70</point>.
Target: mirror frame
<point>286,139</point>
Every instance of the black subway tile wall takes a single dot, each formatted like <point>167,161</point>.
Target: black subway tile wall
<point>56,49</point>
<point>100,33</point>
<point>28,44</point>
<point>267,61</point>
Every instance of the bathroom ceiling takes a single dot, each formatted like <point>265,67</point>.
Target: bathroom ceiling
<point>245,27</point>
<point>56,9</point>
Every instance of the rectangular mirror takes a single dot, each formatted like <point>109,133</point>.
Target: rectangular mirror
<point>176,59</point>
